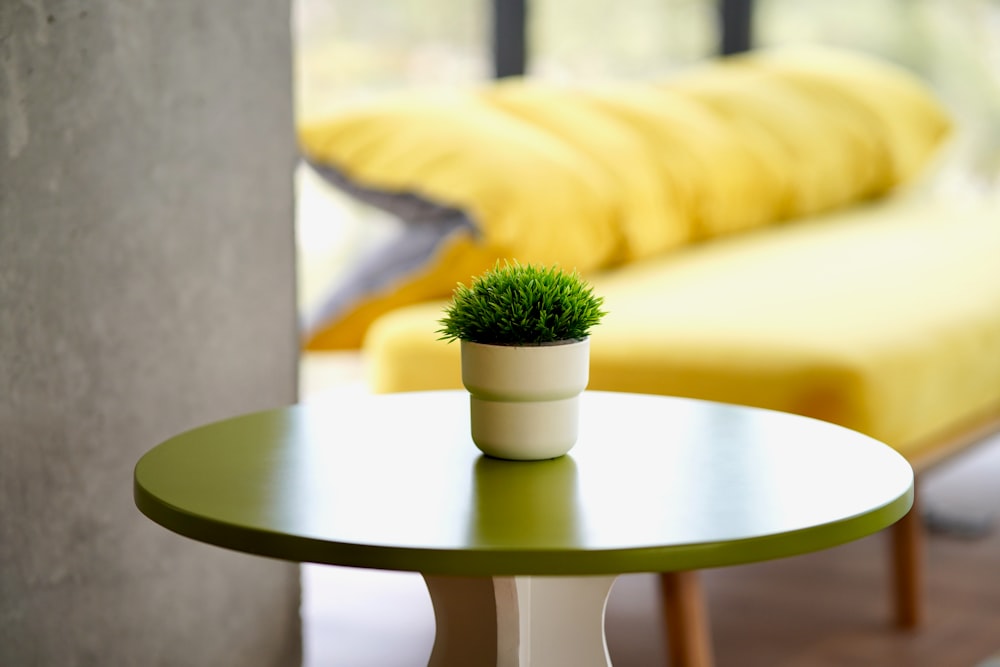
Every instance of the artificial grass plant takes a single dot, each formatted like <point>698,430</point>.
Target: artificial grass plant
<point>522,304</point>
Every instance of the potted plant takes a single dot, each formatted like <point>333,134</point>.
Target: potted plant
<point>524,331</point>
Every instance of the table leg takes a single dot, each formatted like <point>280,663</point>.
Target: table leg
<point>687,622</point>
<point>908,540</point>
<point>519,621</point>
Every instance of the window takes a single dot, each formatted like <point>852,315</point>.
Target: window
<point>349,50</point>
<point>596,39</point>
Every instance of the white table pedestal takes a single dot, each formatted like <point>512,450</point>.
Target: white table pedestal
<point>520,621</point>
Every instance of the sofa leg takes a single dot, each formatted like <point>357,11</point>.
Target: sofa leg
<point>907,564</point>
<point>688,637</point>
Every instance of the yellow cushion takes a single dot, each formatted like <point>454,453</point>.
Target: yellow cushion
<point>592,176</point>
<point>889,106</point>
<point>805,157</point>
<point>885,320</point>
<point>510,177</point>
<point>720,184</point>
<point>454,151</point>
<point>648,214</point>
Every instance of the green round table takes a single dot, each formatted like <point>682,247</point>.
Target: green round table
<point>519,557</point>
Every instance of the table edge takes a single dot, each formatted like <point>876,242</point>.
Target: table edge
<point>506,562</point>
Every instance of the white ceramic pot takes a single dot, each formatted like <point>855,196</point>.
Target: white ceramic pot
<point>524,401</point>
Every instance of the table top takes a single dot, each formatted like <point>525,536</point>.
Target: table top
<point>394,482</point>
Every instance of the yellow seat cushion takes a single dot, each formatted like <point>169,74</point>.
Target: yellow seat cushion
<point>455,149</point>
<point>884,319</point>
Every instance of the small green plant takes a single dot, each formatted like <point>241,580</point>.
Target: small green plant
<point>522,304</point>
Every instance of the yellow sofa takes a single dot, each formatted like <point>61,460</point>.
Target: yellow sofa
<point>756,226</point>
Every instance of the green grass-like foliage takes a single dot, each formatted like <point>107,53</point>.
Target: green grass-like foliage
<point>522,304</point>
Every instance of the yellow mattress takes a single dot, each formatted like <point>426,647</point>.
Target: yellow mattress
<point>884,319</point>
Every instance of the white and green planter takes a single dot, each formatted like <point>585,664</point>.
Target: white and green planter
<point>525,400</point>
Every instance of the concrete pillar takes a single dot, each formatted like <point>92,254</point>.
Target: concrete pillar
<point>146,286</point>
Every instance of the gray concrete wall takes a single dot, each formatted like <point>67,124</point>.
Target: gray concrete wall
<point>146,286</point>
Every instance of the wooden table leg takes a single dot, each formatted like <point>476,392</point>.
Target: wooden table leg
<point>907,537</point>
<point>520,621</point>
<point>688,636</point>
